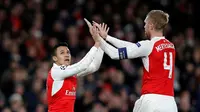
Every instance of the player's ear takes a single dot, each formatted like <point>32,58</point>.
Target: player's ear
<point>151,26</point>
<point>55,58</point>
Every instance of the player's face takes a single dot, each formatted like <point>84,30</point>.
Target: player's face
<point>147,27</point>
<point>63,56</point>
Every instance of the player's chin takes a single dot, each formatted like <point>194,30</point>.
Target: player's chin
<point>66,63</point>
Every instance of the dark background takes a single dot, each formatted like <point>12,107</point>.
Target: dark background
<point>30,28</point>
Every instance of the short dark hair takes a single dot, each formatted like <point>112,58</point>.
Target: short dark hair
<point>53,52</point>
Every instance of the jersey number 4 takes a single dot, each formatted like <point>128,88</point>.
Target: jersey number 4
<point>168,67</point>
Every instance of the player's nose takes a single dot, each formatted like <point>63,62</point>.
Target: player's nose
<point>66,56</point>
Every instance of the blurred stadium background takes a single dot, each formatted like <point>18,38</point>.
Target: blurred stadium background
<point>30,28</point>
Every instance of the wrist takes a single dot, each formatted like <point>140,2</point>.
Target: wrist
<point>106,37</point>
<point>97,44</point>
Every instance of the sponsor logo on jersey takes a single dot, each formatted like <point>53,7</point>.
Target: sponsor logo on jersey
<point>70,93</point>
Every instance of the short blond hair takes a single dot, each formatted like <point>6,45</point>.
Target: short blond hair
<point>158,18</point>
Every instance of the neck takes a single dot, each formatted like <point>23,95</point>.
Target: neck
<point>57,63</point>
<point>156,34</point>
<point>60,64</point>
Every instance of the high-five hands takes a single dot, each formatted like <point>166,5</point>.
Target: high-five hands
<point>103,29</point>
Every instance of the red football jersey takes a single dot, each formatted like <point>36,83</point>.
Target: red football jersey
<point>62,81</point>
<point>61,94</point>
<point>158,57</point>
<point>158,77</point>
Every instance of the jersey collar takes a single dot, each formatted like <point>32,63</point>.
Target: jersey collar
<point>55,65</point>
<point>157,38</point>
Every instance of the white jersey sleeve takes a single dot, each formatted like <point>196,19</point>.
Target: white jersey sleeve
<point>94,66</point>
<point>62,72</point>
<point>126,50</point>
<point>117,42</point>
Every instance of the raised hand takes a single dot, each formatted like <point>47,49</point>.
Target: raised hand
<point>103,29</point>
<point>93,30</point>
<point>95,33</point>
<point>89,25</point>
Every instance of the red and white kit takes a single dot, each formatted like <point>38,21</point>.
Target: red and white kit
<point>158,57</point>
<point>62,81</point>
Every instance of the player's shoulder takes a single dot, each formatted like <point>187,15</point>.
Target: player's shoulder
<point>160,40</point>
<point>58,68</point>
<point>144,42</point>
<point>146,45</point>
<point>167,41</point>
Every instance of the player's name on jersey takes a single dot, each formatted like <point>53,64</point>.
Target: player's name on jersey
<point>70,93</point>
<point>164,46</point>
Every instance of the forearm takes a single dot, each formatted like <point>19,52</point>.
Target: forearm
<point>94,66</point>
<point>131,50</point>
<point>117,42</point>
<point>111,51</point>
